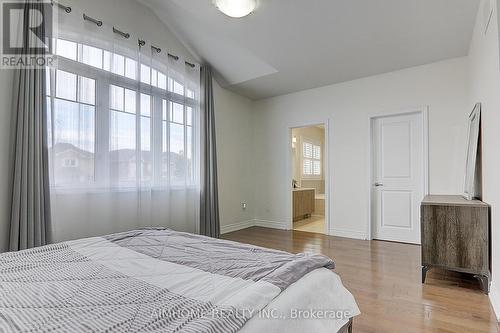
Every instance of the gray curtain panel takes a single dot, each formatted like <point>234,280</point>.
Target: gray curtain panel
<point>30,214</point>
<point>209,203</point>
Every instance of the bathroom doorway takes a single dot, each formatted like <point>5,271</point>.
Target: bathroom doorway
<point>309,181</point>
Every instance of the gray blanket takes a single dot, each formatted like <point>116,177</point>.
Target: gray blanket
<point>154,280</point>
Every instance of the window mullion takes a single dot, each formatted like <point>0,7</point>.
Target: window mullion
<point>157,139</point>
<point>77,98</point>
<point>138,138</point>
<point>52,94</point>
<point>102,132</point>
<point>196,137</point>
<point>167,143</point>
<point>185,146</point>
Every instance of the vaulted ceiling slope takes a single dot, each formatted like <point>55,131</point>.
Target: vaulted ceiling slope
<point>292,45</point>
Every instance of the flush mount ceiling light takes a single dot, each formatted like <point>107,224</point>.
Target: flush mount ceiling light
<point>236,8</point>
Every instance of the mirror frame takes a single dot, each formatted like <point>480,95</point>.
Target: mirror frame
<point>471,188</point>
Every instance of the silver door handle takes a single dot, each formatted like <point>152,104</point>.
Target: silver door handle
<point>379,184</point>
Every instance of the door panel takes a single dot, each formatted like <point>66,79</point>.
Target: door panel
<point>396,150</point>
<point>396,209</point>
<point>398,171</point>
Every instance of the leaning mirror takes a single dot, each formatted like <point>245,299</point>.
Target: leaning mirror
<point>471,183</point>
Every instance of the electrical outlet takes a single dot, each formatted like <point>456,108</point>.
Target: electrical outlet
<point>244,205</point>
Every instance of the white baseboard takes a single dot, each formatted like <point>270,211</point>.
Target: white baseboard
<point>237,226</point>
<point>271,224</point>
<point>346,233</point>
<point>495,300</point>
<point>253,223</point>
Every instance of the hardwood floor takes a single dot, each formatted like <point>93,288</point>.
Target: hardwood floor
<point>385,280</point>
<point>314,224</point>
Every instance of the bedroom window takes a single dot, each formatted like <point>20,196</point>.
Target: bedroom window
<point>117,123</point>
<point>122,135</point>
<point>311,159</point>
<point>177,138</point>
<point>72,112</point>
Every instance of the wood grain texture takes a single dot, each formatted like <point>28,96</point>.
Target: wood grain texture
<point>455,236</point>
<point>385,279</point>
<point>303,204</point>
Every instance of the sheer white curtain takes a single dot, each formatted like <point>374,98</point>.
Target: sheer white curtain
<point>124,133</point>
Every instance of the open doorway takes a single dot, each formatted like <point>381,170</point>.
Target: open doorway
<point>309,179</point>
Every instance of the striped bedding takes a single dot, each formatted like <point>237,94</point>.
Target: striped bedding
<point>154,280</point>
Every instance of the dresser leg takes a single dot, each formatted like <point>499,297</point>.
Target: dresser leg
<point>484,281</point>
<point>425,269</point>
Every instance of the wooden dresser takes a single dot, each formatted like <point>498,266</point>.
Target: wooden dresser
<point>456,236</point>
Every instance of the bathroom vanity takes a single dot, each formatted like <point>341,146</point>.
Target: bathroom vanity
<point>303,203</point>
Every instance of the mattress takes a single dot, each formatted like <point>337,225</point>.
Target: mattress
<point>159,280</point>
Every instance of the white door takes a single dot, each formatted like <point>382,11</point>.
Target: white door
<point>398,173</point>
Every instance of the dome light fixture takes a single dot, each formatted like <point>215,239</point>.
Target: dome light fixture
<point>236,8</point>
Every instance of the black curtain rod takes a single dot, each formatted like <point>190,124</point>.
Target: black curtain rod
<point>93,20</point>
<point>119,32</point>
<point>125,35</point>
<point>67,9</point>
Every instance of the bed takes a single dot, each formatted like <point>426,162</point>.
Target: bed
<point>159,280</point>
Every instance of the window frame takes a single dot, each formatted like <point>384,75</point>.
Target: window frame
<point>103,81</point>
<point>313,143</point>
<point>52,95</point>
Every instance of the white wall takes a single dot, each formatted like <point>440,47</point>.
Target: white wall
<point>441,86</point>
<point>485,88</point>
<point>234,121</point>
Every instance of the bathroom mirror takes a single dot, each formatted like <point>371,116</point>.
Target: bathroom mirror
<point>472,186</point>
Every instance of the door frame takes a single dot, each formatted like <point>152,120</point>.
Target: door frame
<point>424,112</point>
<point>326,170</point>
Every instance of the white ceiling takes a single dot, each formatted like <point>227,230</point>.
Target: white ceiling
<point>292,45</point>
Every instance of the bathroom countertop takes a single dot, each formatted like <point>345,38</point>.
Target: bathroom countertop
<point>303,189</point>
